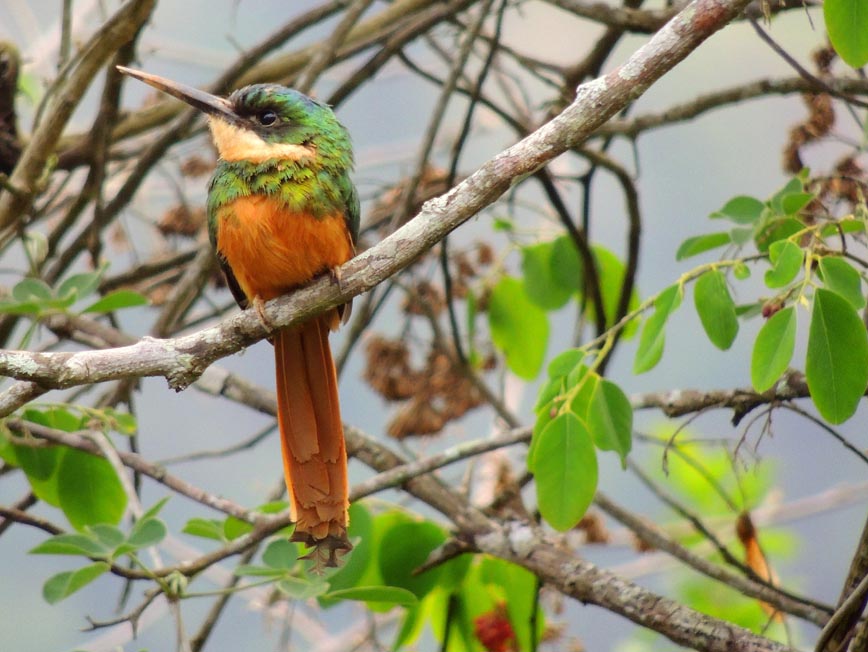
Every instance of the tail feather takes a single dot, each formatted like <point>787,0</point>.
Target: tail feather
<point>312,437</point>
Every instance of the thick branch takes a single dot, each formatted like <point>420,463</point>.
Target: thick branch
<point>573,576</point>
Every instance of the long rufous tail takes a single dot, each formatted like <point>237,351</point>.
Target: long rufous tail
<point>312,438</point>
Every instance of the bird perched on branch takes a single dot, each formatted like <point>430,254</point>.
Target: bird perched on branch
<point>281,210</point>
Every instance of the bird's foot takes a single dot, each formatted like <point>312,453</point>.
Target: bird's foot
<point>335,276</point>
<point>326,553</point>
<point>259,307</point>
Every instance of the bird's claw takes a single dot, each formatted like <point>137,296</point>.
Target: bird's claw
<point>259,307</point>
<point>335,276</point>
<point>326,553</point>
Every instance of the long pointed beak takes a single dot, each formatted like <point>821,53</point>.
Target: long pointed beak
<point>205,102</point>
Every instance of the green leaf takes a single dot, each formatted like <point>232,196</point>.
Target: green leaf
<point>380,594</point>
<point>235,527</point>
<point>79,286</point>
<point>32,289</point>
<point>773,349</point>
<point>566,266</point>
<point>413,623</point>
<point>793,202</point>
<point>587,385</point>
<point>847,25</point>
<point>775,230</point>
<point>117,300</point>
<point>610,419</point>
<point>653,336</point>
<point>259,571</point>
<point>205,527</point>
<point>59,586</point>
<point>794,185</point>
<point>786,258</point>
<point>577,375</point>
<point>741,210</point>
<point>565,468</point>
<point>837,361</point>
<point>518,326</point>
<point>748,310</point>
<point>281,553</point>
<point>17,308</point>
<point>89,490</point>
<point>59,418</point>
<point>503,224</point>
<point>702,243</point>
<point>398,560</point>
<point>741,271</point>
<point>847,224</point>
<point>741,235</point>
<point>537,268</point>
<point>301,589</point>
<point>716,309</point>
<point>40,467</point>
<point>108,535</point>
<point>155,509</point>
<point>71,544</point>
<point>841,277</point>
<point>563,363</point>
<point>147,532</point>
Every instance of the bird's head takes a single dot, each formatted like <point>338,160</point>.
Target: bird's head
<point>263,122</point>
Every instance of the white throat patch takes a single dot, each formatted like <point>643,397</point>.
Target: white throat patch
<point>237,144</point>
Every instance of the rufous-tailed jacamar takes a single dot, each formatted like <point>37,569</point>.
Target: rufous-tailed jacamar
<point>281,210</point>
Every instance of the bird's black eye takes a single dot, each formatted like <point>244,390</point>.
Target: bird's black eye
<point>267,118</point>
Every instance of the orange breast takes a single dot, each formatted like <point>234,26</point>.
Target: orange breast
<point>271,250</point>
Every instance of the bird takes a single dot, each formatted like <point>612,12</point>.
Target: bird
<point>282,209</point>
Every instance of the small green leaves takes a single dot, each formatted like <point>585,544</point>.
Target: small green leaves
<point>741,210</point>
<point>65,584</point>
<point>301,588</point>
<point>651,341</point>
<point>542,287</point>
<point>102,542</point>
<point>89,490</point>
<point>565,468</point>
<point>147,532</point>
<point>847,24</point>
<point>72,544</point>
<point>610,419</point>
<point>377,594</point>
<point>716,309</point>
<point>574,403</point>
<point>281,554</point>
<point>837,361</point>
<point>786,258</point>
<point>32,296</point>
<point>116,301</point>
<point>702,243</point>
<point>205,528</point>
<point>773,349</point>
<point>105,541</point>
<point>841,277</point>
<point>518,326</point>
<point>78,286</point>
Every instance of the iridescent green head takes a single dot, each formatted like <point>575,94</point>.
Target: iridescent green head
<point>265,122</point>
